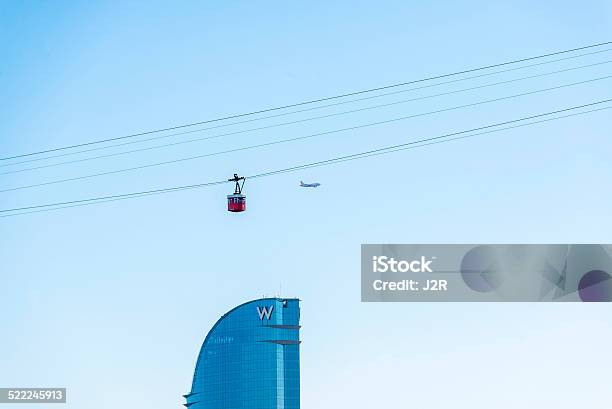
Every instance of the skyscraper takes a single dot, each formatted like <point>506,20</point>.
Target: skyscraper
<point>250,359</point>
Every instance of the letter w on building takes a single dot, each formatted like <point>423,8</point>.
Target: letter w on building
<point>265,312</point>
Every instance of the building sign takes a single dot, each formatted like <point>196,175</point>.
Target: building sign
<point>265,312</point>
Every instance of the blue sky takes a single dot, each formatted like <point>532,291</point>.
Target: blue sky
<point>113,300</point>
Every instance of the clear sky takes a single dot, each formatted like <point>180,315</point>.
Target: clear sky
<point>113,300</point>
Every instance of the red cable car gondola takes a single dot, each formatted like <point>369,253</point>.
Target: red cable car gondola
<point>237,201</point>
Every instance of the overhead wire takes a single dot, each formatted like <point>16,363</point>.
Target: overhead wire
<point>406,144</point>
<point>306,102</point>
<point>300,111</point>
<point>115,154</point>
<point>309,136</point>
<point>434,142</point>
<point>373,152</point>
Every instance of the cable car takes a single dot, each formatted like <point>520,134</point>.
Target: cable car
<point>237,201</point>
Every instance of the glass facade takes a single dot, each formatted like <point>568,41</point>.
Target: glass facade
<point>250,359</point>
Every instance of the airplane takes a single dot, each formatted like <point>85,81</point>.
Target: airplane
<point>302,184</point>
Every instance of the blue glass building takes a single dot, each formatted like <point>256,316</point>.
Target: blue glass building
<point>250,359</point>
